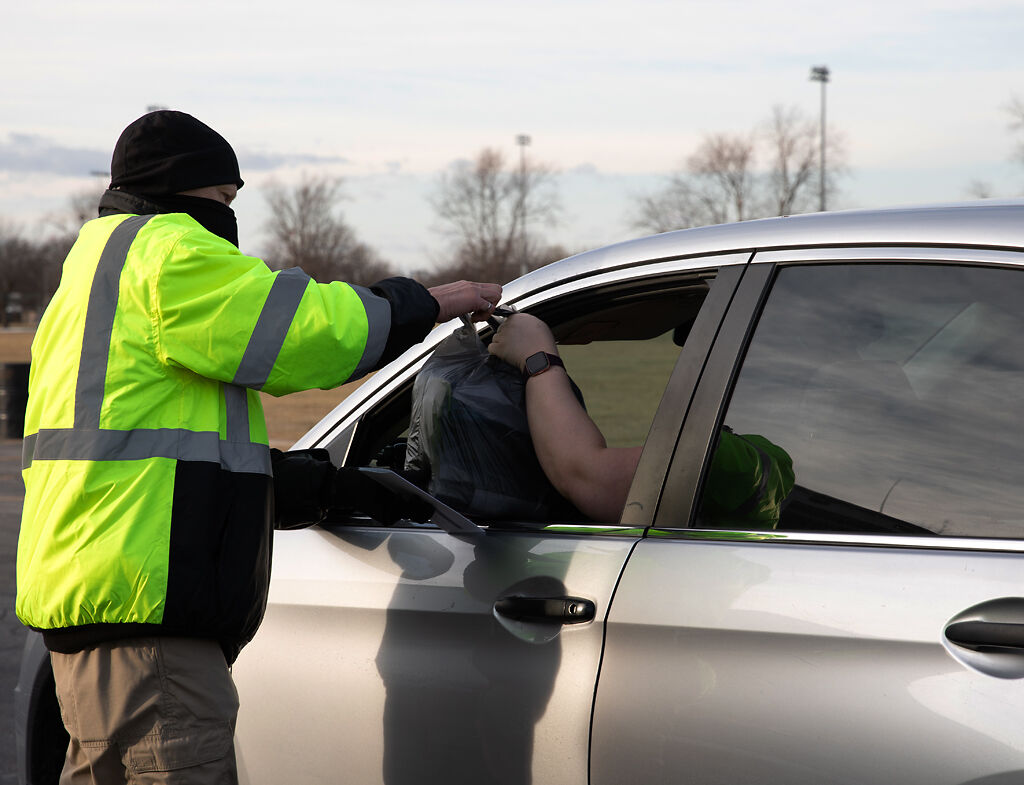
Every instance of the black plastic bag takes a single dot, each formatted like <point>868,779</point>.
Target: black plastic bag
<point>468,428</point>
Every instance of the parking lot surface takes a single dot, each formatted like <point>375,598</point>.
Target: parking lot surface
<point>12,633</point>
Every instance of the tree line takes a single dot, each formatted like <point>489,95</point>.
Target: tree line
<point>495,215</point>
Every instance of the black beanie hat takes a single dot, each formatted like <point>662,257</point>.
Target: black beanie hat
<point>166,152</point>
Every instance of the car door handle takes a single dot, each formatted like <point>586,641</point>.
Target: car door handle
<point>556,610</point>
<point>987,636</point>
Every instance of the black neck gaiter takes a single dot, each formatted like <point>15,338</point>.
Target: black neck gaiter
<point>209,213</point>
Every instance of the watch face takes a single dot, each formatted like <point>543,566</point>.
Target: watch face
<point>536,363</point>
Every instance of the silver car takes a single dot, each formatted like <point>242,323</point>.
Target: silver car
<point>870,631</point>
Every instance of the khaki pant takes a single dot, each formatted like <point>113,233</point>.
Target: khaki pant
<point>148,711</point>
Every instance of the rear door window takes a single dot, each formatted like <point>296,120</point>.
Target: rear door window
<point>877,398</point>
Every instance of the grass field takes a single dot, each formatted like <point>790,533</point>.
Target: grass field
<point>622,383</point>
<point>292,415</point>
<point>15,343</point>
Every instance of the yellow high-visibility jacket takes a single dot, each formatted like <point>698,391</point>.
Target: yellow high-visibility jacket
<point>146,460</point>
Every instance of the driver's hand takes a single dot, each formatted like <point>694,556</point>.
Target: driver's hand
<point>520,336</point>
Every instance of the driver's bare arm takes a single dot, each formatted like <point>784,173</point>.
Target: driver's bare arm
<point>570,447</point>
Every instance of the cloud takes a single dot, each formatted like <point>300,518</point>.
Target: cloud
<point>265,162</point>
<point>35,154</point>
<point>31,153</point>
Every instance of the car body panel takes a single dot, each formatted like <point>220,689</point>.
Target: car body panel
<point>387,651</point>
<point>807,664</point>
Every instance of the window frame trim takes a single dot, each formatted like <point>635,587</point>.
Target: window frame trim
<point>904,541</point>
<point>685,476</point>
<point>647,491</point>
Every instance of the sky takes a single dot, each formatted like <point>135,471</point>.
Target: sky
<point>614,95</point>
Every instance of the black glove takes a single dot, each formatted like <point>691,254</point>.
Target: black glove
<point>303,480</point>
<point>353,490</point>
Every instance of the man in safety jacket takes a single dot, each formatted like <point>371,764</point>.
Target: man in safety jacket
<point>144,552</point>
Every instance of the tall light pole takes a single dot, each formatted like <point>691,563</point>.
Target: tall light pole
<point>523,140</point>
<point>820,73</point>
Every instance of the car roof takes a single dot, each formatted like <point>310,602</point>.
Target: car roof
<point>985,223</point>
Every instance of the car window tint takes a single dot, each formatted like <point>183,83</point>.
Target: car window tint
<point>894,390</point>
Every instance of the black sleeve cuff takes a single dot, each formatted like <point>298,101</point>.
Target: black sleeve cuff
<point>413,314</point>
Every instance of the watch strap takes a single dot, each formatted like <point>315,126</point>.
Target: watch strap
<point>538,362</point>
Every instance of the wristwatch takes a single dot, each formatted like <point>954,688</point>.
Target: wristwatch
<point>539,362</point>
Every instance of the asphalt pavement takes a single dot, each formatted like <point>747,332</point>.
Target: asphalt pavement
<point>12,634</point>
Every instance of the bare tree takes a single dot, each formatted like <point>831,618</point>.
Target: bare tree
<point>84,205</point>
<point>81,206</point>
<point>674,207</point>
<point>487,210</point>
<point>723,170</point>
<point>980,189</point>
<point>29,271</point>
<point>464,266</point>
<point>1016,111</point>
<point>40,277</point>
<point>307,230</point>
<point>15,254</point>
<point>794,146</point>
<point>715,186</point>
<point>720,182</point>
<point>983,189</point>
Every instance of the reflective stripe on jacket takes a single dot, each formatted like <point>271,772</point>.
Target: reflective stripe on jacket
<point>146,458</point>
